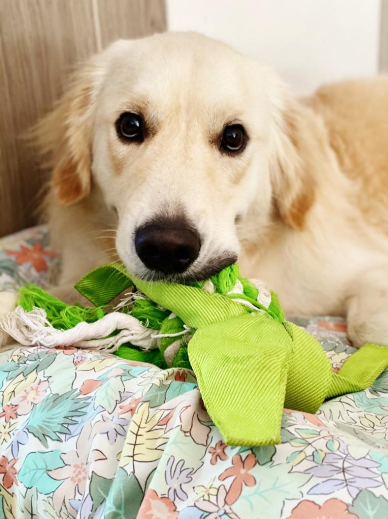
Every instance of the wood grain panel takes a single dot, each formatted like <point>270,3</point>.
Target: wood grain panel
<point>40,42</point>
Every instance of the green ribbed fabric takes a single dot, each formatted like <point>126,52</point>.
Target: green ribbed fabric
<point>310,372</point>
<point>196,308</point>
<point>242,365</point>
<point>249,365</point>
<point>360,370</point>
<point>104,283</point>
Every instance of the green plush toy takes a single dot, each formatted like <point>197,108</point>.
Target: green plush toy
<point>249,361</point>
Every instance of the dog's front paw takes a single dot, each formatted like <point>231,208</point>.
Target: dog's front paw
<point>367,326</point>
<point>361,333</point>
<point>8,302</point>
<point>367,309</point>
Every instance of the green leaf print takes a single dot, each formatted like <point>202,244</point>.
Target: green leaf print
<point>382,458</point>
<point>99,490</point>
<point>10,267</point>
<point>156,396</point>
<point>109,394</point>
<point>54,414</point>
<point>176,389</point>
<point>61,374</point>
<point>264,455</point>
<point>368,506</point>
<point>380,385</point>
<point>372,405</point>
<point>125,497</point>
<point>274,484</point>
<point>28,505</point>
<point>34,471</point>
<point>50,512</point>
<point>2,514</point>
<point>26,365</point>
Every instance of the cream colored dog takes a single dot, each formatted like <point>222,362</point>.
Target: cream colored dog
<point>183,156</point>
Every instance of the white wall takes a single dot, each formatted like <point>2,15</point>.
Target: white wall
<point>308,42</point>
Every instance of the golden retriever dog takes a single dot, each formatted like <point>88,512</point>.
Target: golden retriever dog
<point>178,156</point>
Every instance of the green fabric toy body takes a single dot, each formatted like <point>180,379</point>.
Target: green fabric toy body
<point>249,362</point>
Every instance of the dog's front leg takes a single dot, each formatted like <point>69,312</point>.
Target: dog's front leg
<point>367,309</point>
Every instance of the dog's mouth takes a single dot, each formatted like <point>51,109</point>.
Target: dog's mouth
<point>195,273</point>
<point>172,248</point>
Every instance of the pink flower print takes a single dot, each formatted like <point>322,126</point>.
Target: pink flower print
<point>333,509</point>
<point>32,395</point>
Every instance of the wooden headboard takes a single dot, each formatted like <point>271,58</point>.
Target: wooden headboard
<point>40,42</point>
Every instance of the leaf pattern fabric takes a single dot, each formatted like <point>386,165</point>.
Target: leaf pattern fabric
<point>88,435</point>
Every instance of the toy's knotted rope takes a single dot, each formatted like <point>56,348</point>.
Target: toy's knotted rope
<point>33,328</point>
<point>249,364</point>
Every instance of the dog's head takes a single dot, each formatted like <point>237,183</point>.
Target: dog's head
<point>188,142</point>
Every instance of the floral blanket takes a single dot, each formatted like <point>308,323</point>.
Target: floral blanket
<point>90,435</point>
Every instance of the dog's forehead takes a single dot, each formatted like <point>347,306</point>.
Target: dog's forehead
<point>180,69</point>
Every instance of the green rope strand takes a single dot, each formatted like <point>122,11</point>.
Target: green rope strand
<point>59,314</point>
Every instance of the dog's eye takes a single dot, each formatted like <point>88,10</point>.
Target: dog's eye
<point>233,139</point>
<point>130,127</point>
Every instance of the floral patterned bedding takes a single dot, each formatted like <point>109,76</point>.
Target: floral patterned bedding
<point>91,435</point>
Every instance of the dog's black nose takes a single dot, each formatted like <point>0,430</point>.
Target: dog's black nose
<point>169,249</point>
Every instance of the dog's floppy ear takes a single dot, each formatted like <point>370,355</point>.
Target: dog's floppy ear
<point>292,168</point>
<point>65,137</point>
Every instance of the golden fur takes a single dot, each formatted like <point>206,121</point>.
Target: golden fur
<point>355,115</point>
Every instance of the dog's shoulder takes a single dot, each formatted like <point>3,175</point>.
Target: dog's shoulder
<point>355,114</point>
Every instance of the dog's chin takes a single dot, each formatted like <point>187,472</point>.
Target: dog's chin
<point>194,273</point>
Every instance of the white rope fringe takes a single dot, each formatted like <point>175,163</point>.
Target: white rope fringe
<point>33,328</point>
